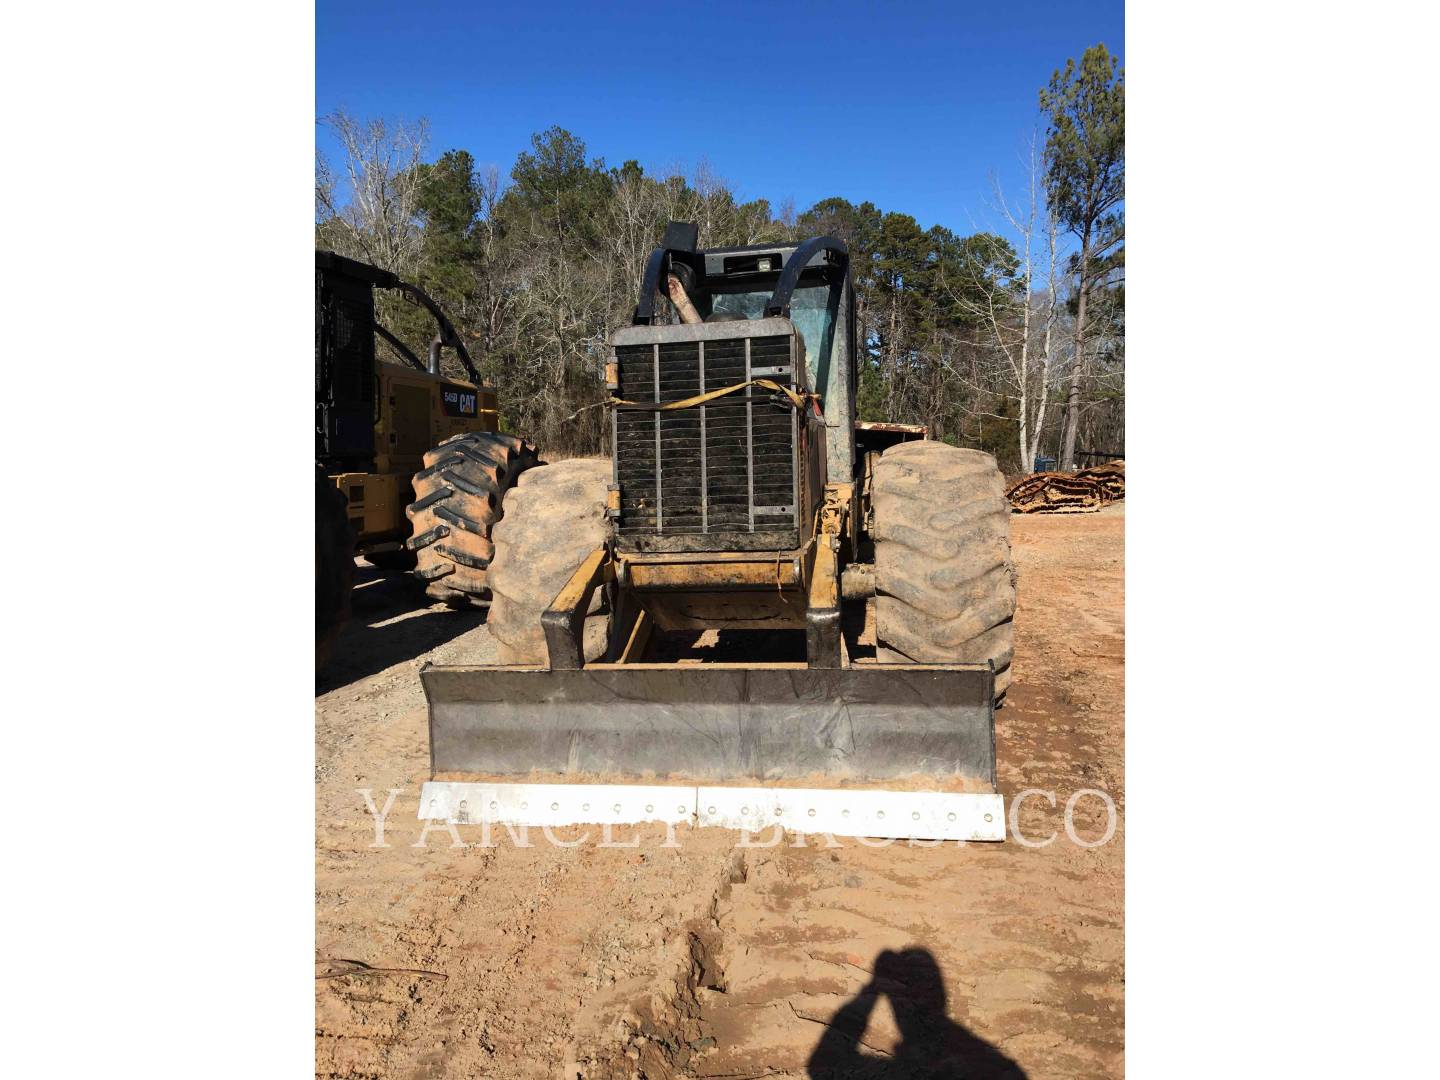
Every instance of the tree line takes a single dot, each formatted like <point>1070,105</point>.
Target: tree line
<point>1013,344</point>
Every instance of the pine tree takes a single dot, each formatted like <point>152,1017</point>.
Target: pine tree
<point>1085,181</point>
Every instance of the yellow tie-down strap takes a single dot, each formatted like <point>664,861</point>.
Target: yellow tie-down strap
<point>797,399</point>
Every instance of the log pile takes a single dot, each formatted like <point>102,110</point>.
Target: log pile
<point>1080,492</point>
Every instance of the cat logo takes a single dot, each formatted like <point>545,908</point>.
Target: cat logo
<point>458,401</point>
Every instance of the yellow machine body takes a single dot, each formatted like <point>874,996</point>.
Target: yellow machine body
<point>741,500</point>
<point>415,411</point>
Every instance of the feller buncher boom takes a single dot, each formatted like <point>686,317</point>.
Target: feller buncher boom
<point>757,611</point>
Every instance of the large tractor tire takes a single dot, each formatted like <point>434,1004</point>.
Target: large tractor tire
<point>334,565</point>
<point>945,585</point>
<point>459,497</point>
<point>554,518</point>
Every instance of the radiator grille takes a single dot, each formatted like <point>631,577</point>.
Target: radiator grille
<point>727,466</point>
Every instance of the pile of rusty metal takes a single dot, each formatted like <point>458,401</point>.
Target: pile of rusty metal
<point>1110,477</point>
<point>1080,492</point>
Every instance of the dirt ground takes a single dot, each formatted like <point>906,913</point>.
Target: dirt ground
<point>709,959</point>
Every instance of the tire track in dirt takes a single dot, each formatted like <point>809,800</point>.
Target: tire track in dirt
<point>802,937</point>
<point>544,949</point>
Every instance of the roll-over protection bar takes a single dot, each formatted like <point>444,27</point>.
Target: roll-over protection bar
<point>790,277</point>
<point>446,337</point>
<point>678,254</point>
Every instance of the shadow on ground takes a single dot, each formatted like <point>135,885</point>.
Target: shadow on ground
<point>391,621</point>
<point>932,1045</point>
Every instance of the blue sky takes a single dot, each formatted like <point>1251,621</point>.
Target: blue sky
<point>910,105</point>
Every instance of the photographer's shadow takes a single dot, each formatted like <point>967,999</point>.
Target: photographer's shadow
<point>931,1044</point>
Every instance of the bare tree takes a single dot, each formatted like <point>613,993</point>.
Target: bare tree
<point>324,189</point>
<point>379,222</point>
<point>633,216</point>
<point>1019,315</point>
<point>495,283</point>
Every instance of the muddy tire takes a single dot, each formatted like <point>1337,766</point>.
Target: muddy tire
<point>554,518</point>
<point>334,566</point>
<point>945,585</point>
<point>459,497</point>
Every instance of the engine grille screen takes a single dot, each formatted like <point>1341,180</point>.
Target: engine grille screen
<point>344,366</point>
<point>725,467</point>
